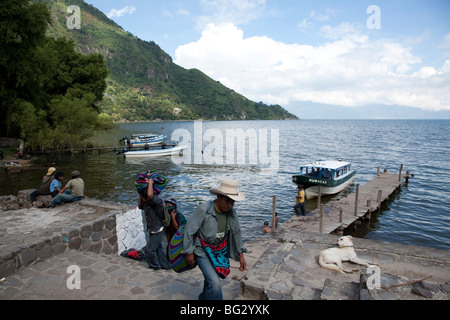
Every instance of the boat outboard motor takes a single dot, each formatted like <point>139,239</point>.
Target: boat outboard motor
<point>126,143</point>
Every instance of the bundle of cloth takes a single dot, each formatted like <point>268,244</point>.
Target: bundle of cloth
<point>142,181</point>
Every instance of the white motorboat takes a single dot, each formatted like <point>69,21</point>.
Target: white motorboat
<point>144,140</point>
<point>155,152</point>
<point>332,176</point>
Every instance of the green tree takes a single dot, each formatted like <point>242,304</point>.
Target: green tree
<point>22,30</point>
<point>50,94</point>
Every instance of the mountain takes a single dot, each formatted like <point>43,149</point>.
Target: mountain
<point>143,82</point>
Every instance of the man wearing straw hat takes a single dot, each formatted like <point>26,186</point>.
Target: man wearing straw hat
<point>215,222</point>
<point>44,189</point>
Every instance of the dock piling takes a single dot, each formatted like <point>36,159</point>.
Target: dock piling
<point>356,199</point>
<point>321,219</point>
<point>274,210</point>
<point>379,197</point>
<point>319,200</point>
<point>400,173</point>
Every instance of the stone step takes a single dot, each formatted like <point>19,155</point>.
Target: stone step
<point>333,290</point>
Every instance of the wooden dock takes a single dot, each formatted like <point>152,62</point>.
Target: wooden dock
<point>338,215</point>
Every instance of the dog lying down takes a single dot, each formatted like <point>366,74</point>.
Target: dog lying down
<point>332,258</point>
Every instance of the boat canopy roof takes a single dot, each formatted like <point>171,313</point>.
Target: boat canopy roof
<point>328,164</point>
<point>145,135</point>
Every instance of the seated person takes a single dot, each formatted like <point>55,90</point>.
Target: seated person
<point>55,186</point>
<point>73,191</point>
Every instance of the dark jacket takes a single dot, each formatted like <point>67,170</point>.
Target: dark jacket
<point>154,213</point>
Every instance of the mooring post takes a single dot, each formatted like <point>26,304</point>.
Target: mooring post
<point>274,210</point>
<point>321,219</point>
<point>318,196</point>
<point>400,173</point>
<point>380,194</point>
<point>340,215</point>
<point>378,171</point>
<point>356,199</point>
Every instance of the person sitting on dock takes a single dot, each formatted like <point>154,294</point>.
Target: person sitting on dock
<point>73,191</point>
<point>44,189</point>
<point>300,206</point>
<point>55,186</point>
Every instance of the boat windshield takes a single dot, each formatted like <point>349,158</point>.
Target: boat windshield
<point>323,172</point>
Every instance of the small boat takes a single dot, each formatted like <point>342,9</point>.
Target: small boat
<point>143,140</point>
<point>155,152</point>
<point>332,176</point>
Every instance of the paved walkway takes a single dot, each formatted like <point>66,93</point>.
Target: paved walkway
<point>281,266</point>
<point>114,277</point>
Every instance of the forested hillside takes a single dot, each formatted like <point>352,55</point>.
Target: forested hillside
<point>143,82</point>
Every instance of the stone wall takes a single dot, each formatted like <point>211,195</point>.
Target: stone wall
<point>99,236</point>
<point>86,225</point>
<point>130,230</point>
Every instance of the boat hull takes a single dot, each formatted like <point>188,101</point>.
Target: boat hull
<point>327,186</point>
<point>154,153</point>
<point>144,140</point>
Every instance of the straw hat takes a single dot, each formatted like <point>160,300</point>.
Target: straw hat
<point>229,188</point>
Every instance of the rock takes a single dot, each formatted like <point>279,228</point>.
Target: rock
<point>424,289</point>
<point>446,287</point>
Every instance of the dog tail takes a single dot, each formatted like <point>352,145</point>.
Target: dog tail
<point>330,266</point>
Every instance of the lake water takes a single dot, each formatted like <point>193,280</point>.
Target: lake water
<point>418,215</point>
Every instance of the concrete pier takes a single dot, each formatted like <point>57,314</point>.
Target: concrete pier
<point>39,260</point>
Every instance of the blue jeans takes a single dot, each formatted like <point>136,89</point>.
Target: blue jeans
<point>300,209</point>
<point>211,286</point>
<point>155,254</point>
<point>65,197</point>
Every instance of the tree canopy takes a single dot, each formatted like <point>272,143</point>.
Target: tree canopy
<point>49,93</point>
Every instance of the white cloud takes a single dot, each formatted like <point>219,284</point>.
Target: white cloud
<point>234,11</point>
<point>316,16</point>
<point>349,70</point>
<point>121,12</point>
<point>183,12</point>
<point>322,16</point>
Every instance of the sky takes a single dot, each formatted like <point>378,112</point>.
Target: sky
<point>379,58</point>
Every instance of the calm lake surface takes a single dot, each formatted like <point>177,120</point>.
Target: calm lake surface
<point>419,214</point>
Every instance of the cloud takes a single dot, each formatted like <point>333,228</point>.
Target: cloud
<point>348,69</point>
<point>121,12</point>
<point>316,16</point>
<point>183,12</point>
<point>322,16</point>
<point>224,11</point>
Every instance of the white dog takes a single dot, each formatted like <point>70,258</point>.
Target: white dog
<point>332,258</point>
